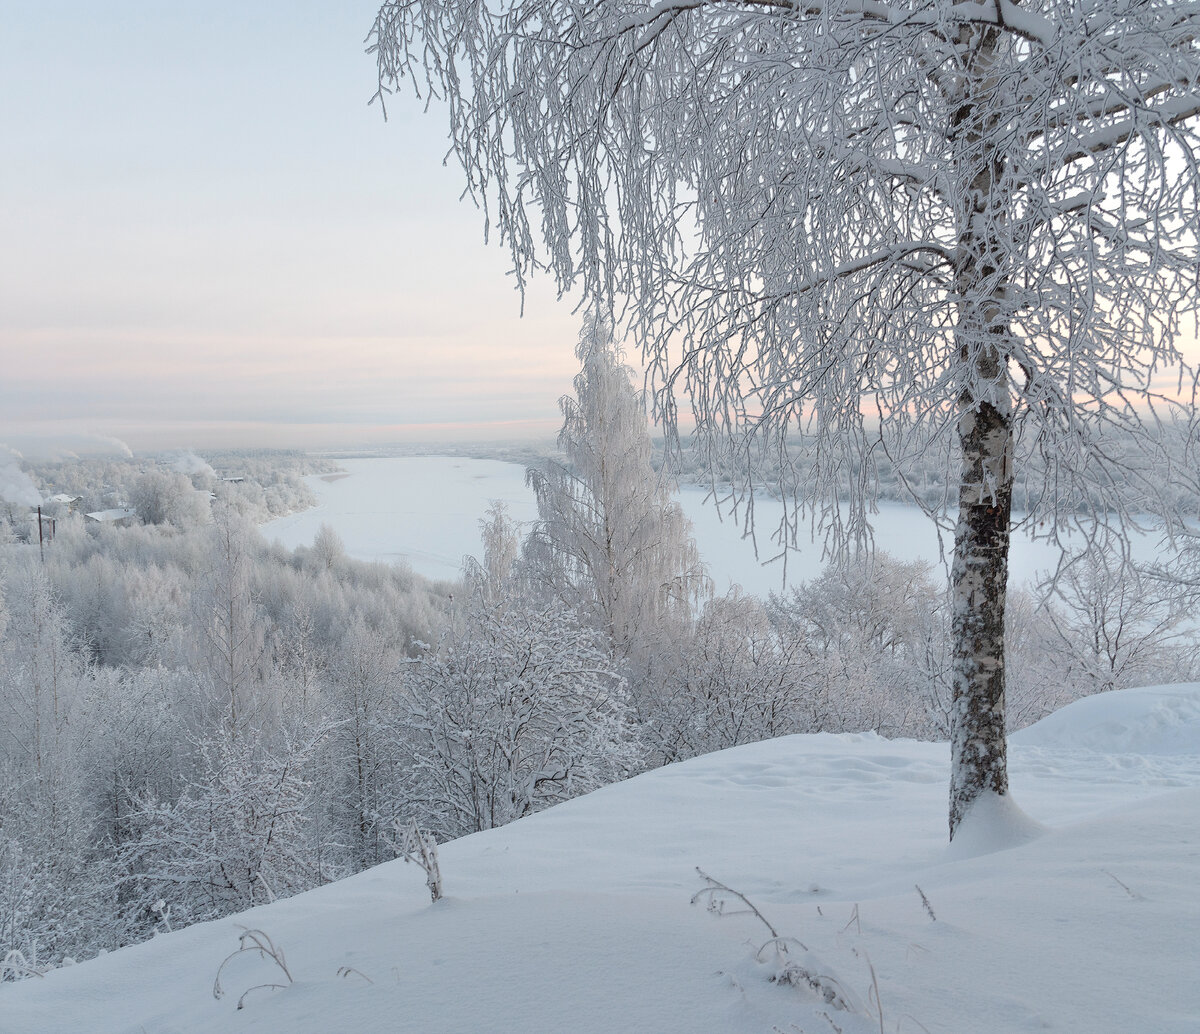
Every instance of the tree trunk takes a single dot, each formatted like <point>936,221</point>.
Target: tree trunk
<point>980,582</point>
<point>979,576</point>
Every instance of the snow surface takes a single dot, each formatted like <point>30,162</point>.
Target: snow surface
<point>1152,720</point>
<point>996,822</point>
<point>578,919</point>
<point>425,511</point>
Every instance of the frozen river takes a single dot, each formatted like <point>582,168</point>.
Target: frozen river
<point>424,511</point>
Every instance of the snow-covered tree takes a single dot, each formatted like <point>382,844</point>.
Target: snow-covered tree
<point>732,680</point>
<point>327,547</point>
<point>494,579</point>
<point>876,631</point>
<point>515,710</point>
<point>364,744</point>
<point>231,632</point>
<point>234,838</point>
<point>904,226</point>
<point>42,676</point>
<point>56,884</point>
<point>611,543</point>
<point>1115,628</point>
<point>165,497</point>
<point>155,616</point>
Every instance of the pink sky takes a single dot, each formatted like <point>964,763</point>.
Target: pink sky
<point>209,234</point>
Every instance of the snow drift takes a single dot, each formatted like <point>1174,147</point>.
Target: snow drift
<point>578,918</point>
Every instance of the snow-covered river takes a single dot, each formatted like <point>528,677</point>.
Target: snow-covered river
<point>425,511</point>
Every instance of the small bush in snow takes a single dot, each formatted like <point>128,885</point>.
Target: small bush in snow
<point>789,969</point>
<point>421,848</point>
<point>254,942</point>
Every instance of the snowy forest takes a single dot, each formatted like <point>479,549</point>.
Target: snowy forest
<point>197,721</point>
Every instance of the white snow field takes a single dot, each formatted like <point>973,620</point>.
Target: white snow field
<point>578,919</point>
<point>425,511</point>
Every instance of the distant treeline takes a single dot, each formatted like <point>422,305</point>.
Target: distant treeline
<point>260,484</point>
<point>926,475</point>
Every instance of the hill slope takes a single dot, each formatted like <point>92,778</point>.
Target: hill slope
<point>578,919</point>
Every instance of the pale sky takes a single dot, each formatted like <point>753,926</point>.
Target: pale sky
<point>210,238</point>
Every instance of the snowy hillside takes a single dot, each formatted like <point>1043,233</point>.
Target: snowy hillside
<point>578,919</point>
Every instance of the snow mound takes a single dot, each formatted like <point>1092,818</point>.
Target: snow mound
<point>1153,720</point>
<point>994,823</point>
<point>578,918</point>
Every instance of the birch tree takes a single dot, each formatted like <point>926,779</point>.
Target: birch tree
<point>899,226</point>
<point>231,634</point>
<point>614,547</point>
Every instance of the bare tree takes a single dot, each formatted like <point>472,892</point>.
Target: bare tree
<point>229,622</point>
<point>1113,629</point>
<point>898,225</point>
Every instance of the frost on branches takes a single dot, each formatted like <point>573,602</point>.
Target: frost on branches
<point>610,541</point>
<point>517,707</point>
<point>904,228</point>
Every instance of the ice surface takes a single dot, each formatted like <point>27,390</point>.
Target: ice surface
<point>424,511</point>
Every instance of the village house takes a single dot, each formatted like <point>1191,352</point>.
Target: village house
<point>117,518</point>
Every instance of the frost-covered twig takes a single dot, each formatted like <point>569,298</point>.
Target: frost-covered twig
<point>854,920</point>
<point>925,903</point>
<point>345,971</point>
<point>716,894</point>
<point>1120,883</point>
<point>875,991</point>
<point>789,971</point>
<point>254,941</point>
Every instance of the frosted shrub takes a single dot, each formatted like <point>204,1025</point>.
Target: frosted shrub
<point>232,840</point>
<point>514,710</point>
<point>732,681</point>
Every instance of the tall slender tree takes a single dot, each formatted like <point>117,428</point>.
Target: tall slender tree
<point>231,633</point>
<point>616,548</point>
<point>896,225</point>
